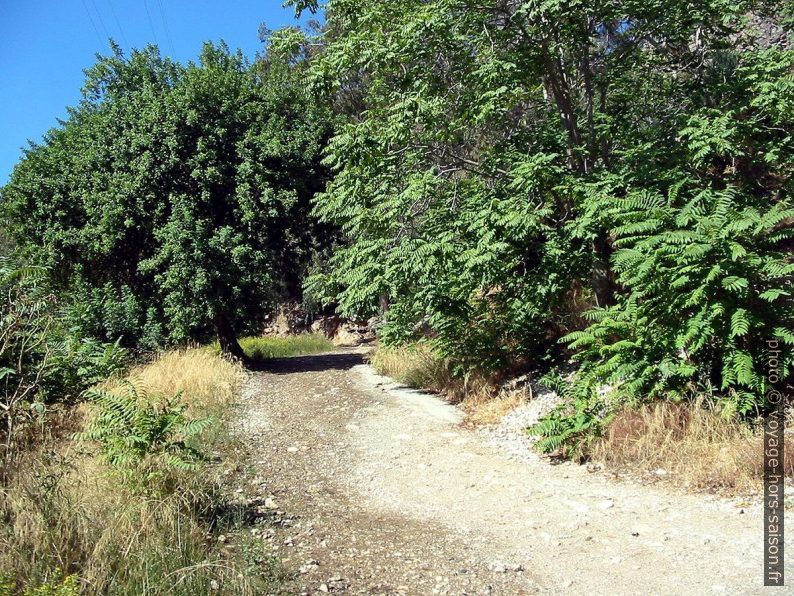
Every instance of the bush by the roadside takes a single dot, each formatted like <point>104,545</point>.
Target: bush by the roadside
<point>42,363</point>
<point>66,514</point>
<point>143,436</point>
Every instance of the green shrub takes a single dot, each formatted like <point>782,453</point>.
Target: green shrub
<point>527,164</point>
<point>151,533</point>
<point>570,427</point>
<point>60,585</point>
<point>42,361</point>
<point>132,428</point>
<point>708,283</point>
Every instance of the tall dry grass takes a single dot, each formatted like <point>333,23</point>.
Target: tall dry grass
<point>485,407</point>
<point>417,366</point>
<point>64,514</point>
<point>420,367</point>
<point>207,381</point>
<point>694,444</point>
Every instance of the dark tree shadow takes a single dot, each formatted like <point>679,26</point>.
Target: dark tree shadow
<point>314,362</point>
<point>224,516</point>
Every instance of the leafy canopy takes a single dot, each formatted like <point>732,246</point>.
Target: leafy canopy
<point>173,199</point>
<point>510,172</point>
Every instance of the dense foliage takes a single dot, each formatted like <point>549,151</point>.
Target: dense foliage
<point>511,170</point>
<point>174,199</point>
<point>42,360</point>
<point>506,174</point>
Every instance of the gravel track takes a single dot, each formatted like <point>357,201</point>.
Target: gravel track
<point>387,493</point>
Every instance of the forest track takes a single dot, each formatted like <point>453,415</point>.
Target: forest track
<point>391,495</point>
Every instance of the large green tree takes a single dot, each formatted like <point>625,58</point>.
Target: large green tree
<point>174,199</point>
<point>514,163</point>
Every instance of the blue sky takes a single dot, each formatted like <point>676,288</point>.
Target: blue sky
<point>46,44</point>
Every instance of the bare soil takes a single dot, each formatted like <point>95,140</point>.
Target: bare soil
<point>386,492</point>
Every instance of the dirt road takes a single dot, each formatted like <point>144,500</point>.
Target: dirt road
<point>386,493</point>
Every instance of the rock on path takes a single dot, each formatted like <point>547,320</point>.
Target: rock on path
<point>388,494</point>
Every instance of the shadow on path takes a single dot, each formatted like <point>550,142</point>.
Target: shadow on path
<point>310,363</point>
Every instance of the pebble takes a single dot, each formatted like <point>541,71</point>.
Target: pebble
<point>499,567</point>
<point>308,566</point>
<point>510,434</point>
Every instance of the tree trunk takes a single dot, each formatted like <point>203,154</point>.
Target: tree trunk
<point>601,273</point>
<point>560,92</point>
<point>384,303</point>
<point>227,337</point>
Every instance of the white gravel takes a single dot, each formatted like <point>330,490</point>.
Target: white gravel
<point>510,434</point>
<point>390,492</point>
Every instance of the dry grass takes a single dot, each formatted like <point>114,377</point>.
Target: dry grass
<point>416,366</point>
<point>64,514</point>
<point>419,367</point>
<point>697,447</point>
<point>483,408</point>
<point>207,381</point>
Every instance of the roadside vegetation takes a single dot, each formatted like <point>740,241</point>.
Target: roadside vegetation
<point>124,497</point>
<point>694,445</point>
<point>263,347</point>
<point>116,475</point>
<point>128,492</point>
<point>417,366</point>
<point>194,222</point>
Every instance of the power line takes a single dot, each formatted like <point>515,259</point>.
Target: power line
<point>118,23</point>
<point>165,27</point>
<point>101,22</point>
<point>93,25</point>
<point>151,25</point>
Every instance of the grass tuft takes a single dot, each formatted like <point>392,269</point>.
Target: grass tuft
<point>264,347</point>
<point>483,408</point>
<point>209,382</point>
<point>415,366</point>
<point>418,366</point>
<point>694,444</point>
